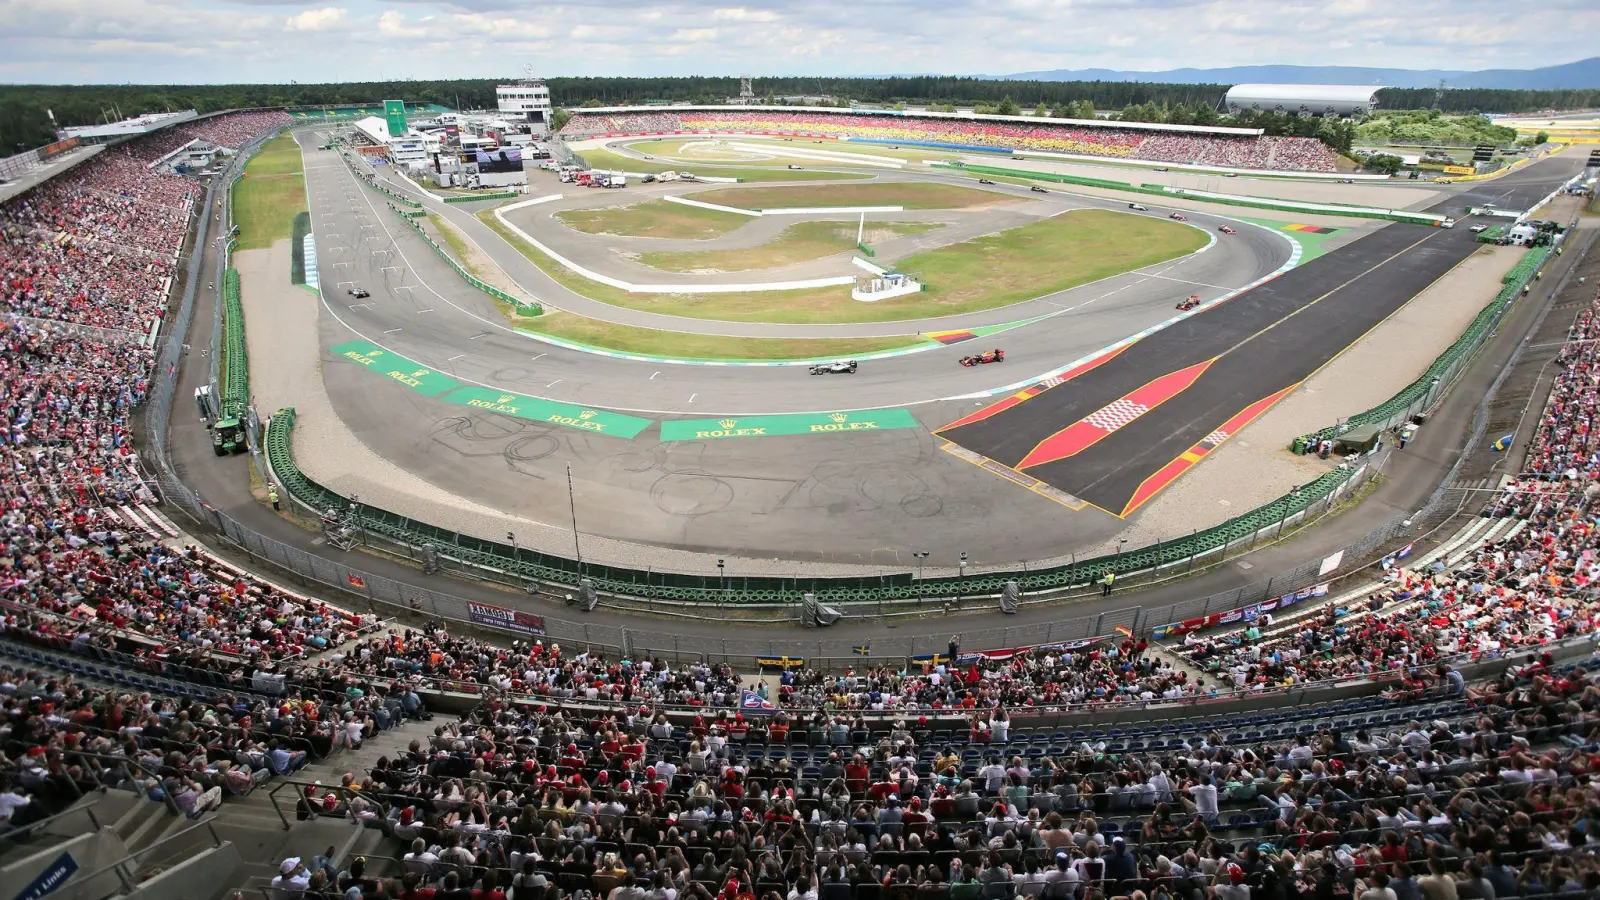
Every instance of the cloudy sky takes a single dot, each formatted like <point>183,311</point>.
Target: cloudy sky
<point>156,41</point>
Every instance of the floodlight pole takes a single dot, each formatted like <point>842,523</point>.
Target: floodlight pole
<point>572,504</point>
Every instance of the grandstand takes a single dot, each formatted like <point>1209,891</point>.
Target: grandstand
<point>1187,145</point>
<point>1454,756</point>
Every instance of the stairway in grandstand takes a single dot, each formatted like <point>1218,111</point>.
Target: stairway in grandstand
<point>124,844</point>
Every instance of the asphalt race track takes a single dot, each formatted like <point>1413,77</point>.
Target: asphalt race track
<point>812,491</point>
<point>1115,434</point>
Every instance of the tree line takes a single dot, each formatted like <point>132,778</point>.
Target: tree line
<point>25,123</point>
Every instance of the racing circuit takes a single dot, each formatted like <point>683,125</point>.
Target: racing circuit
<point>1106,396</point>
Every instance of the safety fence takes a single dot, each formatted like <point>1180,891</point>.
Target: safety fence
<point>522,564</point>
<point>1169,193</point>
<point>473,198</point>
<point>1420,394</point>
<point>524,307</point>
<point>235,362</point>
<point>371,182</point>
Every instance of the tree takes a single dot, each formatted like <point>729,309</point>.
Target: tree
<point>1041,110</point>
<point>559,119</point>
<point>1387,163</point>
<point>1541,137</point>
<point>1007,107</point>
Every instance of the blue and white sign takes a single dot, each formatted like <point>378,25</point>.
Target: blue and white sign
<point>53,877</point>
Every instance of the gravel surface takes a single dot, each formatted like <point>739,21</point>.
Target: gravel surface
<point>1256,466</point>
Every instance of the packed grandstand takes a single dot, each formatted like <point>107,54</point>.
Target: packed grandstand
<point>581,775</point>
<point>1117,141</point>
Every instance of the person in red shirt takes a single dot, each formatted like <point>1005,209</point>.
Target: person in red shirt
<point>856,774</point>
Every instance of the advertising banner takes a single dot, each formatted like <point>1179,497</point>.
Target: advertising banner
<point>506,619</point>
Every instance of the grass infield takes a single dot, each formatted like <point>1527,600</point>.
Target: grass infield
<point>272,192</point>
<point>653,218</point>
<point>799,243</point>
<point>909,194</point>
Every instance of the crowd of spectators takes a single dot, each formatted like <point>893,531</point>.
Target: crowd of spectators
<point>231,130</point>
<point>1234,151</point>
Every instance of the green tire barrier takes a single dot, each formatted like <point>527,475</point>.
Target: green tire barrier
<point>866,250</point>
<point>1161,191</point>
<point>1455,354</point>
<point>235,377</point>
<point>1491,234</point>
<point>524,563</point>
<point>297,248</point>
<point>523,306</point>
<point>501,195</point>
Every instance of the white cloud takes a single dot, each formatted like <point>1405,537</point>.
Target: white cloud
<point>316,19</point>
<point>178,41</point>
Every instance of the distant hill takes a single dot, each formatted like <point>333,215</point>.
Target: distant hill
<point>1585,73</point>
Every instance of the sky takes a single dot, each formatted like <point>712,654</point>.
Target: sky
<point>276,41</point>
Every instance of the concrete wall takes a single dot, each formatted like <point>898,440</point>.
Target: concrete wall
<point>200,877</point>
<point>92,852</point>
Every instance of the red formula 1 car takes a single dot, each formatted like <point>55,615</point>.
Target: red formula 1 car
<point>983,359</point>
<point>1225,229</point>
<point>1191,303</point>
<point>1178,217</point>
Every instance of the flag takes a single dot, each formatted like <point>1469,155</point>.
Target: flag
<point>356,581</point>
<point>780,663</point>
<point>1503,444</point>
<point>930,659</point>
<point>751,704</point>
<point>863,649</point>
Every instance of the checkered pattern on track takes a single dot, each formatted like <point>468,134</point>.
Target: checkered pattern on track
<point>1116,414</point>
<point>1215,438</point>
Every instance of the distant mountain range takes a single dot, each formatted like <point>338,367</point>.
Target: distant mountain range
<point>1585,73</point>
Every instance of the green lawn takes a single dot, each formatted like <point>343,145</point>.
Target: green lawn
<point>628,339</point>
<point>653,218</point>
<point>798,243</point>
<point>909,194</point>
<point>995,270</point>
<point>601,158</point>
<point>272,192</point>
<point>1043,257</point>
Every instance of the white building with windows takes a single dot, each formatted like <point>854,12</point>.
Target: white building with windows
<point>528,101</point>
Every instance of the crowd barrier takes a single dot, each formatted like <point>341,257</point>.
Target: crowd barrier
<point>1420,394</point>
<point>1169,193</point>
<point>1171,557</point>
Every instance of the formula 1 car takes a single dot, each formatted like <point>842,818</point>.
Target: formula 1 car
<point>1225,229</point>
<point>1191,303</point>
<point>1039,190</point>
<point>1178,217</point>
<point>358,293</point>
<point>1138,207</point>
<point>983,359</point>
<point>985,181</point>
<point>837,367</point>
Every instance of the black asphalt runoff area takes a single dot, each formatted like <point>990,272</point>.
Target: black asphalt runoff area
<point>1358,286</point>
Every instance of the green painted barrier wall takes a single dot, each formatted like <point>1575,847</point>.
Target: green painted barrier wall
<point>503,195</point>
<point>235,365</point>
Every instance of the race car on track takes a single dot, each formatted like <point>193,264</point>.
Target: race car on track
<point>837,367</point>
<point>1347,181</point>
<point>358,293</point>
<point>984,181</point>
<point>1230,174</point>
<point>983,359</point>
<point>1161,169</point>
<point>1190,303</point>
<point>1178,217</point>
<point>1138,207</point>
<point>793,166</point>
<point>1038,190</point>
<point>1225,229</point>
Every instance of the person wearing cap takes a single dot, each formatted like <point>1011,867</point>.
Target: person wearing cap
<point>1230,884</point>
<point>291,881</point>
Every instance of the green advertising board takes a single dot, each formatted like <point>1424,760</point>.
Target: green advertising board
<point>797,423</point>
<point>534,409</point>
<point>419,378</point>
<point>394,111</point>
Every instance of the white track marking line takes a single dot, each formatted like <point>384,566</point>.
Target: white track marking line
<point>553,383</point>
